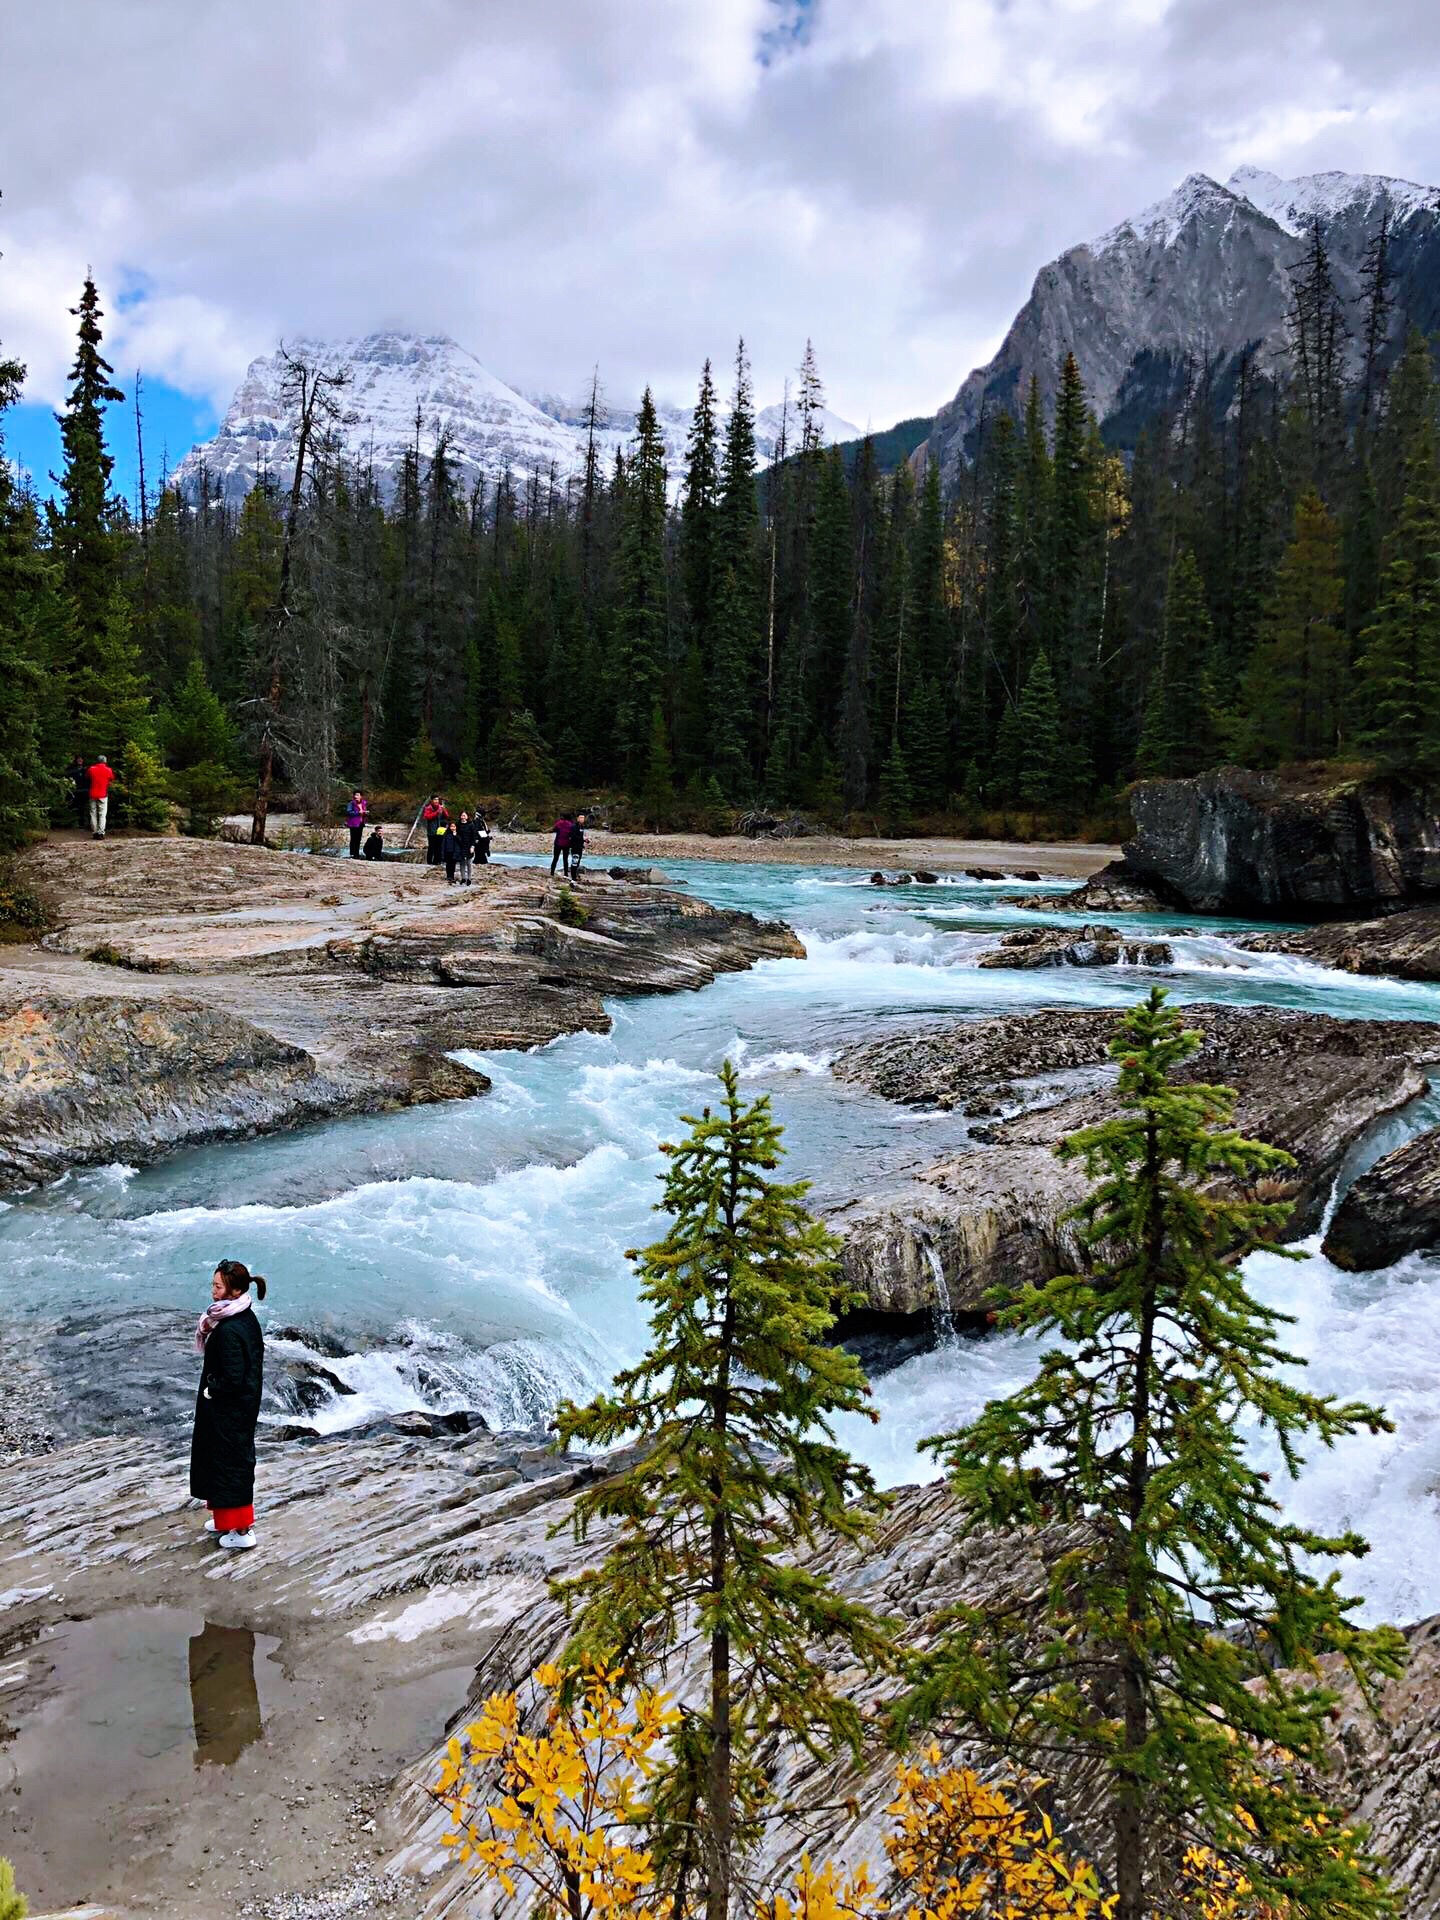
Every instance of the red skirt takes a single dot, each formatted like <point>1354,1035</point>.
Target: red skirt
<point>233,1519</point>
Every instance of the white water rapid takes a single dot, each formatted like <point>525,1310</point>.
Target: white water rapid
<point>472,1255</point>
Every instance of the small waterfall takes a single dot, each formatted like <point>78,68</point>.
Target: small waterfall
<point>942,1317</point>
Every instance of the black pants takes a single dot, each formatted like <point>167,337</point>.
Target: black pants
<point>482,849</point>
<point>560,854</point>
<point>355,833</point>
<point>452,854</point>
<point>432,847</point>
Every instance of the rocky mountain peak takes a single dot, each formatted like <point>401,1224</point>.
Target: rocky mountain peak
<point>1202,276</point>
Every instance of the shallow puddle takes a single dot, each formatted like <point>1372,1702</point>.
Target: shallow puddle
<point>116,1723</point>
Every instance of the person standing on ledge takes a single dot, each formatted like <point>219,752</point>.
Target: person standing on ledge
<point>355,816</point>
<point>577,845</point>
<point>560,852</point>
<point>99,778</point>
<point>227,1405</point>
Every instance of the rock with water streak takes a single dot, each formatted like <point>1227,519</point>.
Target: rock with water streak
<point>1391,1210</point>
<point>950,1235</point>
<point>1404,945</point>
<point>1036,947</point>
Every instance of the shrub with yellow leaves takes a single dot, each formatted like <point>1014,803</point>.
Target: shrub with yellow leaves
<point>559,1810</point>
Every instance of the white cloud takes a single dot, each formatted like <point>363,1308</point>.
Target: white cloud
<point>557,182</point>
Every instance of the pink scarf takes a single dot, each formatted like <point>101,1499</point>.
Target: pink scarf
<point>217,1311</point>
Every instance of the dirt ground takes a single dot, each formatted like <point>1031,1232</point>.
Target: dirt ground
<point>1067,860</point>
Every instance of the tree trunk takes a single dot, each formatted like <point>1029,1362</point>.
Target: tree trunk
<point>1129,1828</point>
<point>718,1788</point>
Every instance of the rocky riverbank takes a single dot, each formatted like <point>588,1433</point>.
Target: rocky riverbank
<point>309,1687</point>
<point>195,991</point>
<point>949,1233</point>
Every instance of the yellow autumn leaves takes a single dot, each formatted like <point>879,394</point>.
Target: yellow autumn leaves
<point>557,1813</point>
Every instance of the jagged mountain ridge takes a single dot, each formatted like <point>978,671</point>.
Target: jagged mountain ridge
<point>1202,275</point>
<point>392,376</point>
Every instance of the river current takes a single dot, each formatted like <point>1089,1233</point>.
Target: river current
<point>472,1255</point>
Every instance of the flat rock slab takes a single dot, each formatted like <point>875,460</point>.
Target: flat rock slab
<point>1405,945</point>
<point>948,1236</point>
<point>195,991</point>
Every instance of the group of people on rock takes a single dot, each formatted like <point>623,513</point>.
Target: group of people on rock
<point>454,842</point>
<point>569,845</point>
<point>90,783</point>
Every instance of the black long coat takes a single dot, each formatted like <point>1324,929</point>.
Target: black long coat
<point>227,1407</point>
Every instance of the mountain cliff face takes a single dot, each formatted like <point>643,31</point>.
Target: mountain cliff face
<point>393,379</point>
<point>1202,275</point>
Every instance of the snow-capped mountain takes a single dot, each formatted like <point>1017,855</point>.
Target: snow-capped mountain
<point>1202,275</point>
<point>401,388</point>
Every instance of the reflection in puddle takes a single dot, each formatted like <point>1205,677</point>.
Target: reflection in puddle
<point>108,1722</point>
<point>224,1701</point>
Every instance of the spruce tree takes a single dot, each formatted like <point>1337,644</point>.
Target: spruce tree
<point>12,1903</point>
<point>657,789</point>
<point>1399,670</point>
<point>733,1404</point>
<point>895,796</point>
<point>1178,736</point>
<point>199,744</point>
<point>700,546</point>
<point>109,689</point>
<point>1038,728</point>
<point>1174,1659</point>
<point>926,756</point>
<point>1009,753</point>
<point>26,587</point>
<point>1298,686</point>
<point>83,529</point>
<point>738,674</point>
<point>641,608</point>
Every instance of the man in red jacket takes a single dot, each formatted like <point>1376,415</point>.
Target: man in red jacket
<point>99,776</point>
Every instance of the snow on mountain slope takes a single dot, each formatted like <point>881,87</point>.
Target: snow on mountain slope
<point>403,390</point>
<point>1201,276</point>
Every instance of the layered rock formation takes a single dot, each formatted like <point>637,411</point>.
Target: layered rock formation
<point>1405,945</point>
<point>1391,1210</point>
<point>195,992</point>
<point>390,1633</point>
<point>995,1216</point>
<point>1234,841</point>
<point>1036,947</point>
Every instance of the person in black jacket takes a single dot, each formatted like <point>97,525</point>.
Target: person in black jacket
<point>227,1405</point>
<point>464,832</point>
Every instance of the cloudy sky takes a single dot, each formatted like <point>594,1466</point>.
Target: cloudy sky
<point>635,182</point>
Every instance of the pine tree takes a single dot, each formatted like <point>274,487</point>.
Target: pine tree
<point>895,796</point>
<point>730,722</point>
<point>522,761</point>
<point>657,791</point>
<point>1175,1659</point>
<point>733,1404</point>
<point>84,530</point>
<point>1400,666</point>
<point>1178,736</point>
<point>199,743</point>
<point>1009,752</point>
<point>641,609</point>
<point>700,520</point>
<point>1038,726</point>
<point>929,636</point>
<point>422,772</point>
<point>1298,687</point>
<point>926,756</point>
<point>26,586</point>
<point>111,697</point>
<point>735,701</point>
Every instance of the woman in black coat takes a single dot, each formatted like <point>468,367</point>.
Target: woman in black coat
<point>227,1406</point>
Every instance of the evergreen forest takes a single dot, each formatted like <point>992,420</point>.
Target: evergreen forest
<point>1256,580</point>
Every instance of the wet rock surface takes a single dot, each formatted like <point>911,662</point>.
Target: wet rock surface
<point>993,1217</point>
<point>1405,945</point>
<point>1116,888</point>
<point>1031,948</point>
<point>399,1581</point>
<point>198,991</point>
<point>1391,1210</point>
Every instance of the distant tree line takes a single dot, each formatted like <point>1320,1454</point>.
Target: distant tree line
<point>1259,580</point>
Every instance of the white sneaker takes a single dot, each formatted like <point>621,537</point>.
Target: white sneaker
<point>238,1542</point>
<point>210,1524</point>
